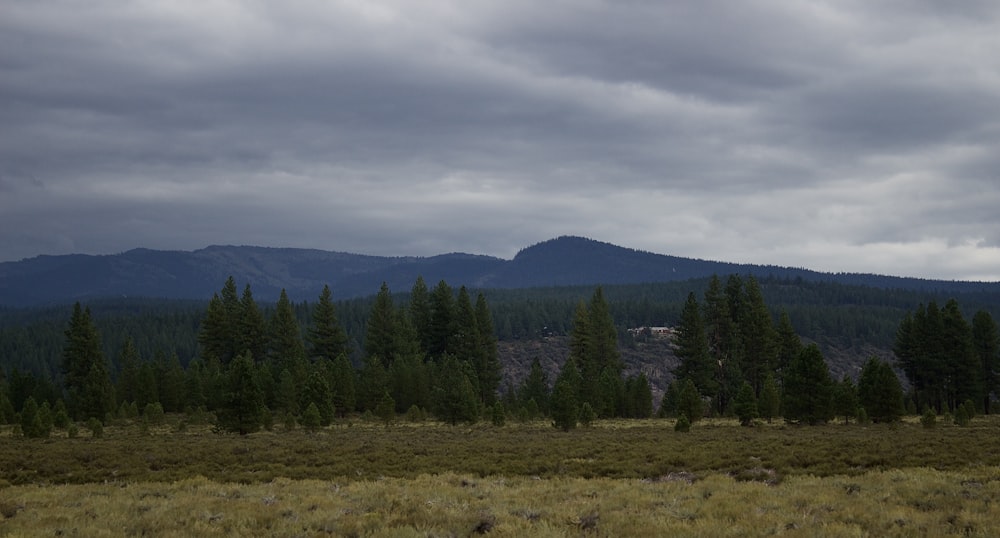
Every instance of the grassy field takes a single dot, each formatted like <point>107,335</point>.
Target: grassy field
<point>628,478</point>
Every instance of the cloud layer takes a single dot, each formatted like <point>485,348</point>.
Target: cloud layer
<point>838,136</point>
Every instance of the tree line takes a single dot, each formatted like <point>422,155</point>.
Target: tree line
<point>736,359</point>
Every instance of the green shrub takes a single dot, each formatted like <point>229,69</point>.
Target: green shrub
<point>961,416</point>
<point>587,415</point>
<point>153,412</point>
<point>311,418</point>
<point>929,418</point>
<point>499,414</point>
<point>682,425</point>
<point>95,426</point>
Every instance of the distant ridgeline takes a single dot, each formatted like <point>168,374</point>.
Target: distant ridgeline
<point>565,261</point>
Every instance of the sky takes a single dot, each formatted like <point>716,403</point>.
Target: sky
<point>841,136</point>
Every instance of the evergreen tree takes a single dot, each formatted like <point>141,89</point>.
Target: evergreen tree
<point>373,380</point>
<point>88,385</point>
<point>963,366</point>
<point>286,397</point>
<point>317,392</point>
<point>287,349</point>
<point>692,350</point>
<point>380,333</point>
<point>128,375</point>
<point>455,397</point>
<point>808,388</point>
<point>327,339</point>
<point>879,392</point>
<point>219,334</point>
<point>770,399</point>
<point>986,346</point>
<point>535,387</point>
<point>669,402</point>
<point>244,400</point>
<point>758,336</point>
<point>312,420</point>
<point>465,337</point>
<point>420,313</point>
<point>789,345</point>
<point>689,404</point>
<point>442,322</point>
<point>386,409</point>
<point>171,386</point>
<point>489,367</point>
<point>252,328</point>
<point>639,396</point>
<point>410,382</point>
<point>845,399</point>
<point>565,403</point>
<point>745,405</point>
<point>343,385</point>
<point>721,338</point>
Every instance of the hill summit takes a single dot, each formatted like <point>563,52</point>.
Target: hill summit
<point>563,261</point>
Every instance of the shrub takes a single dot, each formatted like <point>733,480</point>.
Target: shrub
<point>499,414</point>
<point>587,414</point>
<point>961,416</point>
<point>929,418</point>
<point>153,412</point>
<point>415,414</point>
<point>311,418</point>
<point>683,425</point>
<point>96,427</point>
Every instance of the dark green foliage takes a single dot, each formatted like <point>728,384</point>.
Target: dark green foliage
<point>316,391</point>
<point>85,374</point>
<point>442,320</point>
<point>488,366</point>
<point>96,427</point>
<point>373,380</point>
<point>60,415</point>
<point>219,335</point>
<point>587,415</point>
<point>986,346</point>
<point>128,373</point>
<point>565,403</point>
<point>745,405</point>
<point>380,332</point>
<point>252,330</point>
<point>343,385</point>
<point>327,339</point>
<point>683,425</point>
<point>808,388</point>
<point>455,398</point>
<point>638,397</point>
<point>311,419</point>
<point>757,335</point>
<point>692,349</point>
<point>153,413</point>
<point>770,399</point>
<point>285,343</point>
<point>929,418</point>
<point>879,391</point>
<point>668,404</point>
<point>961,416</point>
<point>244,402</point>
<point>845,399</point>
<point>535,387</point>
<point>32,425</point>
<point>420,312</point>
<point>689,403</point>
<point>386,409</point>
<point>499,414</point>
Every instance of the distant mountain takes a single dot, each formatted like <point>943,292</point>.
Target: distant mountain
<point>565,261</point>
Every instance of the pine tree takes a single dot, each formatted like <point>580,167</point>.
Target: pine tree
<point>311,418</point>
<point>317,392</point>
<point>455,399</point>
<point>219,333</point>
<point>808,388</point>
<point>343,385</point>
<point>745,405</point>
<point>963,366</point>
<point>420,313</point>
<point>286,347</point>
<point>442,322</point>
<point>252,330</point>
<point>692,350</point>
<point>128,374</point>
<point>565,403</point>
<point>380,332</point>
<point>85,375</point>
<point>286,396</point>
<point>244,400</point>
<point>386,409</point>
<point>535,387</point>
<point>721,339</point>
<point>689,404</point>
<point>986,346</point>
<point>489,368</point>
<point>879,391</point>
<point>640,396</point>
<point>758,336</point>
<point>789,345</point>
<point>770,399</point>
<point>327,339</point>
<point>171,385</point>
<point>845,399</point>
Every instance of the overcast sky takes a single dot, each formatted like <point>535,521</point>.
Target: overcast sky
<point>838,136</point>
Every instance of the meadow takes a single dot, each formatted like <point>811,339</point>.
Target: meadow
<point>615,478</point>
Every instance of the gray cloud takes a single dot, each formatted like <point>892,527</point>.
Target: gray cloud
<point>836,136</point>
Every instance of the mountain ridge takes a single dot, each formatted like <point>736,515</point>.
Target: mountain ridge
<point>562,261</point>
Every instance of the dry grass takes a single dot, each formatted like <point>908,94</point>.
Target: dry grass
<point>624,478</point>
<point>914,502</point>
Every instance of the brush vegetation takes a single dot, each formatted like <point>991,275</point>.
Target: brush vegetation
<point>614,478</point>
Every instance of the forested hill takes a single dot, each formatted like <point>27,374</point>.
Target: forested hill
<point>565,261</point>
